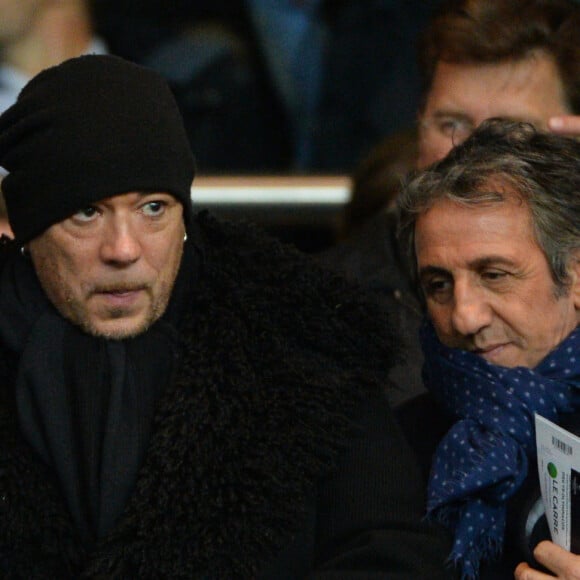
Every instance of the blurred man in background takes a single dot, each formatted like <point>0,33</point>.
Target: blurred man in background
<point>518,59</point>
<point>36,34</point>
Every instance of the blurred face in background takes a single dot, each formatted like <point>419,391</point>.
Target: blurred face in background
<point>16,18</point>
<point>463,95</point>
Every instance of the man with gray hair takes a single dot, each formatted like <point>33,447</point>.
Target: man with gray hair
<point>36,34</point>
<point>515,59</point>
<point>494,231</point>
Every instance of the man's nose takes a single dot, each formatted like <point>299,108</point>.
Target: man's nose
<point>471,309</point>
<point>120,244</point>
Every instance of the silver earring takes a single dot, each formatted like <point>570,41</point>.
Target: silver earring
<point>23,251</point>
<point>184,238</point>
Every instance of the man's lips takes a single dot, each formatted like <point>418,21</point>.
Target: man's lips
<point>480,349</point>
<point>120,292</point>
<point>491,351</point>
<point>118,289</point>
<point>124,296</point>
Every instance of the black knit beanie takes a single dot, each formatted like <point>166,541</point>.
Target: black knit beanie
<point>87,129</point>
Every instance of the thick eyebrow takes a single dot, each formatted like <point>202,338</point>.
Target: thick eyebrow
<point>489,261</point>
<point>444,113</point>
<point>427,271</point>
<point>477,264</point>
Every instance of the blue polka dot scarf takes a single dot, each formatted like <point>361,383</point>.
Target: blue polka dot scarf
<point>483,459</point>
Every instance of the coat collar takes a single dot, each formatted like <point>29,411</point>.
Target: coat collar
<point>259,410</point>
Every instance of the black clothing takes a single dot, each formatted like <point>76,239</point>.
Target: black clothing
<point>233,108</point>
<point>82,402</point>
<point>210,55</point>
<point>361,105</point>
<point>272,452</point>
<point>372,257</point>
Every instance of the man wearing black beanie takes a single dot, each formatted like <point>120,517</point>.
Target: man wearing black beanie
<point>179,397</point>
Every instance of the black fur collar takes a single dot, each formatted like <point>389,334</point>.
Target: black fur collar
<point>276,357</point>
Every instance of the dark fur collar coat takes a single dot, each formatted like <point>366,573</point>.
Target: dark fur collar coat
<point>256,437</point>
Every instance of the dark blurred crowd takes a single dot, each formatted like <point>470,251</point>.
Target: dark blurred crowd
<point>278,85</point>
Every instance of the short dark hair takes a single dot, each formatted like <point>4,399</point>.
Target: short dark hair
<point>3,210</point>
<point>376,180</point>
<point>494,31</point>
<point>502,158</point>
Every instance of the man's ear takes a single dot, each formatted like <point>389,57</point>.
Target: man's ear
<point>575,279</point>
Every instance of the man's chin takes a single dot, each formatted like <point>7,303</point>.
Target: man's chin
<point>116,323</point>
<point>117,329</point>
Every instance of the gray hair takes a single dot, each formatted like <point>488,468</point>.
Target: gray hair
<point>500,159</point>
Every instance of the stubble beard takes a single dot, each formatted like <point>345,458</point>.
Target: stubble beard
<point>78,315</point>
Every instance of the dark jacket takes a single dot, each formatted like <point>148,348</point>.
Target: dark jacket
<point>373,258</point>
<point>273,453</point>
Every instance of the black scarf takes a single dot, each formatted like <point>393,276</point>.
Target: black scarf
<point>86,404</point>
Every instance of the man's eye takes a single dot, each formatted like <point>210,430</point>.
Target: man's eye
<point>493,275</point>
<point>455,128</point>
<point>154,208</point>
<point>436,285</point>
<point>86,214</point>
<point>437,289</point>
<point>447,127</point>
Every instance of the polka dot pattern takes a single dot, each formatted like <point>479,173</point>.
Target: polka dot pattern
<point>483,459</point>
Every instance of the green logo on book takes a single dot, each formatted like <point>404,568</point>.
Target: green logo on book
<point>552,470</point>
